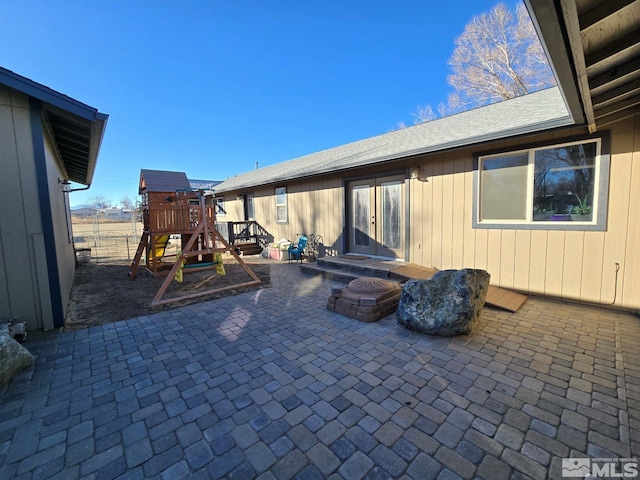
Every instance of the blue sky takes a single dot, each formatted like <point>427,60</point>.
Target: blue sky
<point>212,87</point>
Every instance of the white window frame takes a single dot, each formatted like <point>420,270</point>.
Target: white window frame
<point>600,194</point>
<point>220,210</point>
<point>279,191</point>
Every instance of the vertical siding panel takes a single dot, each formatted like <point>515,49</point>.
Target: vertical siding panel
<point>593,251</point>
<point>482,240</point>
<point>555,263</point>
<point>323,204</point>
<point>572,269</point>
<point>522,259</point>
<point>325,222</point>
<point>415,222</point>
<point>315,213</point>
<point>447,211</point>
<point>436,224</point>
<point>20,291</point>
<point>507,258</point>
<point>469,258</point>
<point>341,218</point>
<point>427,218</point>
<point>458,217</point>
<point>494,247</point>
<point>631,280</point>
<point>296,210</point>
<point>614,244</point>
<point>538,261</point>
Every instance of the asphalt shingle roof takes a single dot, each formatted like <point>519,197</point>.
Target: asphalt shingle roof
<point>526,114</point>
<point>162,181</point>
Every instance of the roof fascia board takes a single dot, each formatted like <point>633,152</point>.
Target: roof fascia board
<point>97,134</point>
<point>554,40</point>
<point>47,95</point>
<point>572,24</point>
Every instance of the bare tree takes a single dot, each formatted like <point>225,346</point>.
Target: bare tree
<point>127,203</point>
<point>99,201</point>
<point>398,126</point>
<point>496,58</point>
<point>424,113</point>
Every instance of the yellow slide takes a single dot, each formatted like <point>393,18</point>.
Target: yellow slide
<point>160,245</point>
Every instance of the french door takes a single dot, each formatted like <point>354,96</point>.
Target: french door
<point>377,216</point>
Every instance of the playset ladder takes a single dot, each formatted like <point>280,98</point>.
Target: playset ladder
<point>144,241</point>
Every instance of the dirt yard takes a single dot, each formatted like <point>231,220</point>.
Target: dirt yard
<point>103,293</point>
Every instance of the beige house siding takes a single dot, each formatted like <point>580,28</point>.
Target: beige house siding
<point>24,286</point>
<point>61,218</point>
<point>24,266</point>
<point>315,205</point>
<point>572,265</point>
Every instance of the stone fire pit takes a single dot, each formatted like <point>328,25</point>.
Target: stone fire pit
<point>366,298</point>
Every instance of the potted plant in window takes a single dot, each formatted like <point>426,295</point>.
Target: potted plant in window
<point>581,212</point>
<point>542,214</point>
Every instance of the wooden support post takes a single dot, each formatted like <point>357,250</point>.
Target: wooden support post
<point>206,228</point>
<point>144,241</point>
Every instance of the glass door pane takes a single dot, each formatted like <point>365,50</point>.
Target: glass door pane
<point>391,214</point>
<point>248,207</point>
<point>361,214</point>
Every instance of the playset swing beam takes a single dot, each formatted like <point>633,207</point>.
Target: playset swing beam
<point>209,233</point>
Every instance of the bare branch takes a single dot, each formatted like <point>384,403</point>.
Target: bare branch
<point>497,57</point>
<point>424,113</point>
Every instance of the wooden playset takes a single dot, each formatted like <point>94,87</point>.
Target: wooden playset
<point>171,210</point>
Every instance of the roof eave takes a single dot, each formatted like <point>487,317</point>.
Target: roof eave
<point>469,142</point>
<point>57,102</point>
<point>47,95</point>
<point>97,134</point>
<point>557,42</point>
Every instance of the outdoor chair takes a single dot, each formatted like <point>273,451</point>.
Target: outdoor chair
<point>296,250</point>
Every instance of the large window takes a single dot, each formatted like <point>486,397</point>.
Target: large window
<point>558,187</point>
<point>281,205</point>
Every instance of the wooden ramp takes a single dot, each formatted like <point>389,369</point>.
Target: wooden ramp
<point>496,297</point>
<point>410,271</point>
<point>505,299</point>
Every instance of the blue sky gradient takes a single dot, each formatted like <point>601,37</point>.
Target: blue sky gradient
<point>212,87</point>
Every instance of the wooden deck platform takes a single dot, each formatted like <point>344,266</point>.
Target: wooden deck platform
<point>496,297</point>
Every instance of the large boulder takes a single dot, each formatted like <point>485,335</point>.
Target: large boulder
<point>13,357</point>
<point>447,304</point>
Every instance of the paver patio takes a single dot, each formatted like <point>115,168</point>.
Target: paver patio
<point>271,384</point>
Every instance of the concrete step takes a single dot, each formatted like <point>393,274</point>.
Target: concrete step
<point>335,274</point>
<point>355,267</point>
<point>342,271</point>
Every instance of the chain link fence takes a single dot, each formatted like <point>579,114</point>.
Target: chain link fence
<point>98,241</point>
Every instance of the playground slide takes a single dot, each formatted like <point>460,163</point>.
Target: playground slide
<point>160,246</point>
